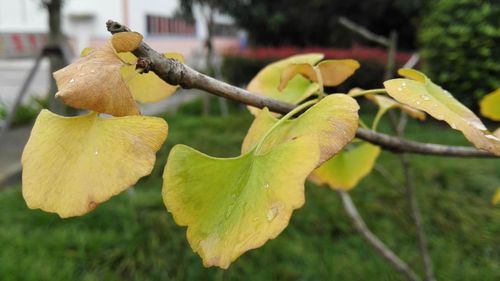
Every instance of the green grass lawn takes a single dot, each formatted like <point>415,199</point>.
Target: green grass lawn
<point>133,237</point>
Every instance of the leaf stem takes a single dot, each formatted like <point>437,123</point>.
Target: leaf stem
<point>378,116</point>
<point>368,92</point>
<point>320,82</point>
<point>294,111</point>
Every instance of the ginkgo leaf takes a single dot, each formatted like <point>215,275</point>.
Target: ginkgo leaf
<point>304,69</point>
<point>71,164</point>
<point>86,51</point>
<point>497,133</point>
<point>147,87</point>
<point>94,82</point>
<point>422,94</point>
<point>267,81</point>
<point>333,122</point>
<point>496,198</point>
<point>232,205</point>
<point>334,72</point>
<point>386,103</point>
<point>490,105</point>
<point>346,169</point>
<point>126,41</point>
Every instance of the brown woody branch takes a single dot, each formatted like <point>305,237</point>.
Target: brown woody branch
<point>373,240</point>
<point>177,73</point>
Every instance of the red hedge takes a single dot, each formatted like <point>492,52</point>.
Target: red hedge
<point>356,52</point>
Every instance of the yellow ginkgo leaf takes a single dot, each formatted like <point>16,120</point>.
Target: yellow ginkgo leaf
<point>496,198</point>
<point>490,105</point>
<point>147,87</point>
<point>497,133</point>
<point>386,103</point>
<point>334,72</point>
<point>86,51</point>
<point>126,41</point>
<point>267,81</point>
<point>333,122</point>
<point>94,82</point>
<point>423,94</point>
<point>71,164</point>
<point>346,169</point>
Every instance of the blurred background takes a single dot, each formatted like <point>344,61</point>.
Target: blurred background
<point>132,237</point>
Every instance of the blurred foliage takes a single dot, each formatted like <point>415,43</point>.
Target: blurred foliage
<point>27,112</point>
<point>460,45</point>
<point>3,111</point>
<point>239,70</point>
<point>301,23</point>
<point>133,237</point>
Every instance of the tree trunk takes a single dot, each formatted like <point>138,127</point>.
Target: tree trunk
<point>56,40</point>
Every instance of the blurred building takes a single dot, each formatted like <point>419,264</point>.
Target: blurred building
<point>23,25</point>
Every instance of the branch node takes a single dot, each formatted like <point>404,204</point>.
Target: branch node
<point>144,63</point>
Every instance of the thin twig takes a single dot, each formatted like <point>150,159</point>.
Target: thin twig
<point>177,73</point>
<point>412,200</point>
<point>365,33</point>
<point>373,240</point>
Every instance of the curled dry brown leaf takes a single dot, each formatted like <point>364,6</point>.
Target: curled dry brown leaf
<point>95,82</point>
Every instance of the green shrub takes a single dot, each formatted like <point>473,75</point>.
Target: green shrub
<point>460,45</point>
<point>25,113</point>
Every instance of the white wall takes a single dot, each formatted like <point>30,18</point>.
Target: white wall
<point>30,15</point>
<point>138,9</point>
<point>22,16</point>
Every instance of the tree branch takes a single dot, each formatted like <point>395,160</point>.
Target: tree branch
<point>365,33</point>
<point>411,198</point>
<point>177,73</point>
<point>378,245</point>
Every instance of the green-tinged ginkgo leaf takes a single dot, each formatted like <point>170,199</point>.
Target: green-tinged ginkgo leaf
<point>496,198</point>
<point>347,168</point>
<point>232,205</point>
<point>333,123</point>
<point>267,81</point>
<point>94,82</point>
<point>490,105</point>
<point>422,94</point>
<point>334,72</point>
<point>147,87</point>
<point>386,103</point>
<point>71,164</point>
<point>126,41</point>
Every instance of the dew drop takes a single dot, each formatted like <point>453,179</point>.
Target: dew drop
<point>453,125</point>
<point>435,105</point>
<point>266,186</point>
<point>440,116</point>
<point>417,102</point>
<point>403,84</point>
<point>424,97</point>
<point>492,137</point>
<point>400,89</point>
<point>92,71</point>
<point>273,211</point>
<point>96,153</point>
<point>478,125</point>
<point>72,80</point>
<point>271,214</point>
